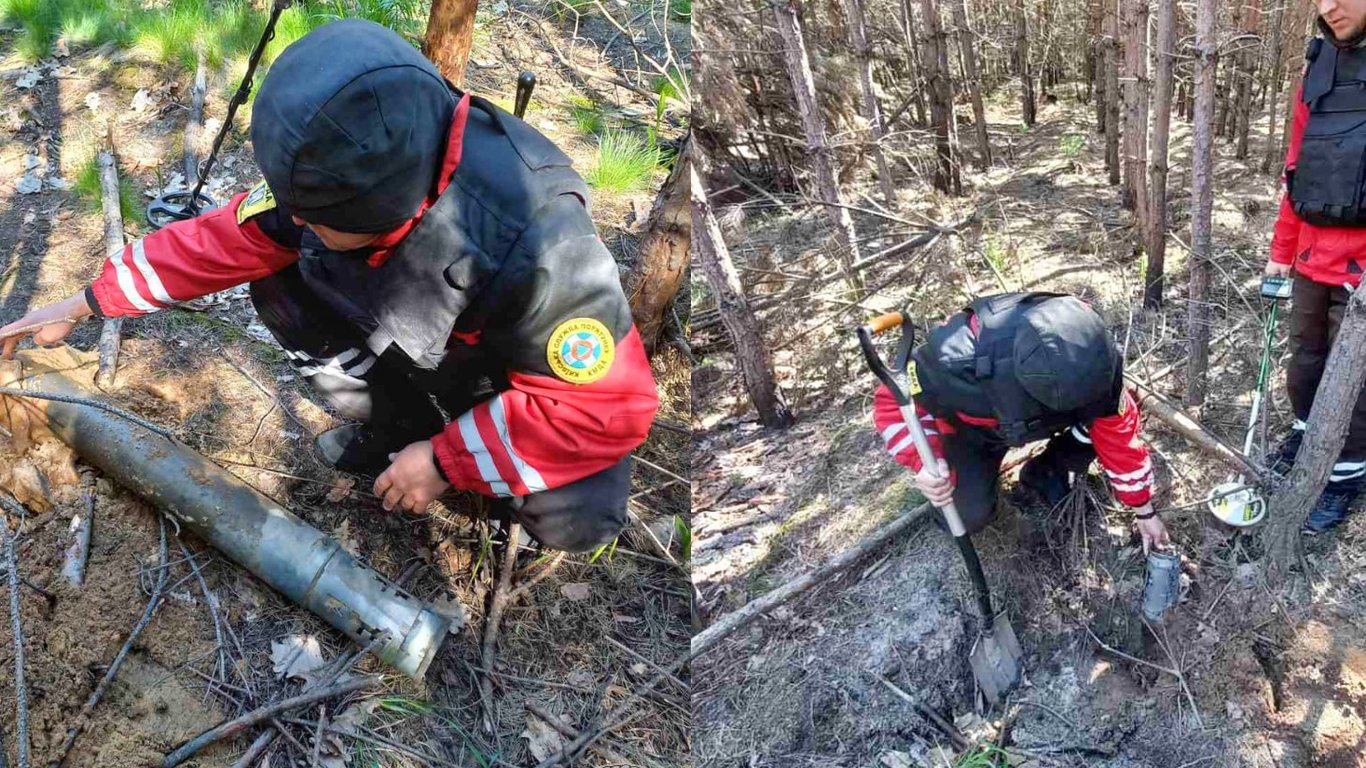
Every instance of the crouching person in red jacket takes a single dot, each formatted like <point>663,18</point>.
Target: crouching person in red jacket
<point>1007,371</point>
<point>428,263</point>
<point>1320,234</point>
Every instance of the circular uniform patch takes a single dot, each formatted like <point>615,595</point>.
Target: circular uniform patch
<point>580,350</point>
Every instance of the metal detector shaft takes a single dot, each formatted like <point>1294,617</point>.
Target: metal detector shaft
<point>304,564</point>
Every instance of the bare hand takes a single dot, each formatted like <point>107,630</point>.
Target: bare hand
<point>411,482</point>
<point>1277,269</point>
<point>1153,531</point>
<point>939,490</point>
<point>48,325</point>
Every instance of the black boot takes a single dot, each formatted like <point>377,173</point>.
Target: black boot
<point>1046,480</point>
<point>1282,459</point>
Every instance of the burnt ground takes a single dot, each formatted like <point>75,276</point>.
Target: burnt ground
<point>1274,671</point>
<point>217,380</point>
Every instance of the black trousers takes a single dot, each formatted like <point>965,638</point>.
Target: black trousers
<point>1315,316</point>
<point>408,404</point>
<point>975,455</point>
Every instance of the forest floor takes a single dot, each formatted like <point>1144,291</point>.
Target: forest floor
<point>1276,673</point>
<point>221,384</point>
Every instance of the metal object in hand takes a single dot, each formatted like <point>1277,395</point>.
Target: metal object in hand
<point>1161,584</point>
<point>1275,287</point>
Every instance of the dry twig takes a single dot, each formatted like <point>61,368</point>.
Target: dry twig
<point>17,628</point>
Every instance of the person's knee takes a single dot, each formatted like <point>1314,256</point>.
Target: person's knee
<point>581,516</point>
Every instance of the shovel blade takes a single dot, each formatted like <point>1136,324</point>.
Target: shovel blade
<point>996,660</point>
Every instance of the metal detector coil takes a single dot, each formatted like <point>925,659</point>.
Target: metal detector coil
<point>1236,504</point>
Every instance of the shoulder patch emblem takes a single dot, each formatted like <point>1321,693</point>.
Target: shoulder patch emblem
<point>259,201</point>
<point>581,350</point>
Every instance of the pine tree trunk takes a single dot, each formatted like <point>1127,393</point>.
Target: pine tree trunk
<point>1276,76</point>
<point>450,32</point>
<point>663,262</point>
<point>1247,79</point>
<point>1136,109</point>
<point>946,177</point>
<point>1028,107</point>
<point>917,63</point>
<point>751,355</point>
<point>1329,420</point>
<point>1112,127</point>
<point>813,125</point>
<point>1162,107</point>
<point>858,38</point>
<point>1202,192</point>
<point>967,47</point>
<point>1096,52</point>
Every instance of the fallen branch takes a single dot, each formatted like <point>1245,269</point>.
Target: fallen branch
<point>79,553</point>
<point>233,727</point>
<point>540,576</point>
<point>113,242</point>
<point>959,742</point>
<point>1180,678</point>
<point>572,733</point>
<point>658,669</point>
<point>705,640</point>
<point>497,605</point>
<point>1192,430</point>
<point>83,718</point>
<point>16,626</point>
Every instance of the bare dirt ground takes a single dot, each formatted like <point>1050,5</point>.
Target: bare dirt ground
<point>1274,673</point>
<point>222,385</point>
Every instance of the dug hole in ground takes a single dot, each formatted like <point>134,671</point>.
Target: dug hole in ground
<point>1276,672</point>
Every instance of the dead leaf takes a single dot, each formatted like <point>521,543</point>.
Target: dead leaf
<point>541,739</point>
<point>342,534</point>
<point>341,489</point>
<point>29,184</point>
<point>29,79</point>
<point>92,101</point>
<point>576,591</point>
<point>896,760</point>
<point>296,656</point>
<point>141,100</point>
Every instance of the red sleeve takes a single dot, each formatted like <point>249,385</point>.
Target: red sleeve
<point>1122,453</point>
<point>895,435</point>
<point>1286,234</point>
<point>186,260</point>
<point>545,432</point>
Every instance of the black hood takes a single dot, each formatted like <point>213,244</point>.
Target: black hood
<point>350,127</point>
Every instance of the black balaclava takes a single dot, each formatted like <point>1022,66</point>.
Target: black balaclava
<point>350,127</point>
<point>1064,356</point>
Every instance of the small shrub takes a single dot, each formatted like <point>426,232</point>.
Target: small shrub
<point>586,115</point>
<point>1072,144</point>
<point>626,162</point>
<point>87,187</point>
<point>681,9</point>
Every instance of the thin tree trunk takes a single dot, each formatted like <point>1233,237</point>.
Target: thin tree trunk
<point>450,33</point>
<point>1096,51</point>
<point>663,261</point>
<point>1246,80</point>
<point>751,355</point>
<point>1202,161</point>
<point>1135,38</point>
<point>813,125</point>
<point>946,177</point>
<point>919,82</point>
<point>858,38</point>
<point>1329,421</point>
<point>1028,107</point>
<point>967,47</point>
<point>1112,128</point>
<point>1276,74</point>
<point>1162,107</point>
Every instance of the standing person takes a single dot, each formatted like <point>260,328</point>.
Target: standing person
<point>418,252</point>
<point>1007,371</point>
<point>1320,235</point>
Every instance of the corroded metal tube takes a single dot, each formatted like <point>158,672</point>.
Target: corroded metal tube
<point>304,564</point>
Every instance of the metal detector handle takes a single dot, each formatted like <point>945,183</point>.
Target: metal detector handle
<point>905,401</point>
<point>526,83</point>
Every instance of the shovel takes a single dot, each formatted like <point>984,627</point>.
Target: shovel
<point>996,656</point>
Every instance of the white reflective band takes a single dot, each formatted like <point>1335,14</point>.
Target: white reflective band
<point>1137,473</point>
<point>125,276</point>
<point>364,365</point>
<point>1338,477</point>
<point>1080,434</point>
<point>150,275</point>
<point>901,446</point>
<point>1348,466</point>
<point>1299,425</point>
<point>336,366</point>
<point>1131,486</point>
<point>530,477</point>
<point>892,431</point>
<point>482,458</point>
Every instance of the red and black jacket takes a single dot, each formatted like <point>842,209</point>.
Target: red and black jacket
<point>525,287</point>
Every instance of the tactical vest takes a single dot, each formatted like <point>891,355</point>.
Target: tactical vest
<point>508,172</point>
<point>974,375</point>
<point>1328,184</point>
